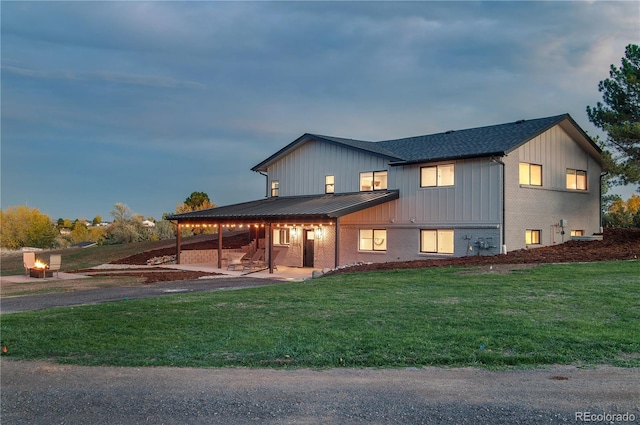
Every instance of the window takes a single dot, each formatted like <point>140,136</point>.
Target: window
<point>532,237</point>
<point>577,233</point>
<point>436,241</point>
<point>373,240</point>
<point>329,184</point>
<point>530,174</point>
<point>440,175</point>
<point>275,188</point>
<point>281,236</point>
<point>576,179</point>
<point>373,180</point>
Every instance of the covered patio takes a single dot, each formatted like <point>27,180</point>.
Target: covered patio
<point>308,227</point>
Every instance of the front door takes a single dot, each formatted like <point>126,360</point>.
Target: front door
<point>307,257</point>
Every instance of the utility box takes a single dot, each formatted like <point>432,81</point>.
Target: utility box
<point>564,223</point>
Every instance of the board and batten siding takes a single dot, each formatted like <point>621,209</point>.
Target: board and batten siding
<point>542,208</point>
<point>303,171</point>
<point>475,198</point>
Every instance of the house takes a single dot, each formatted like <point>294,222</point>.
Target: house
<point>481,191</point>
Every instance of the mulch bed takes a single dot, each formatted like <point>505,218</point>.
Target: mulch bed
<point>617,244</point>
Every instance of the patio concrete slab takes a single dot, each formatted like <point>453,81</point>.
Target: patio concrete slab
<point>291,274</point>
<point>56,276</point>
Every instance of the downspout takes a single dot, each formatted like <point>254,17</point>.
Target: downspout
<point>504,197</point>
<point>266,184</point>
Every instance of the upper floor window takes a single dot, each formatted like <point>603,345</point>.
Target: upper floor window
<point>373,180</point>
<point>275,188</point>
<point>439,175</point>
<point>530,174</point>
<point>576,179</point>
<point>329,184</point>
<point>373,240</point>
<point>436,241</point>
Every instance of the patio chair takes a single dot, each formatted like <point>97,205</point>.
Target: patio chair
<point>55,261</point>
<point>235,260</point>
<point>29,261</point>
<point>256,261</point>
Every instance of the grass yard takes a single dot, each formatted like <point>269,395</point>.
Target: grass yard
<point>583,314</point>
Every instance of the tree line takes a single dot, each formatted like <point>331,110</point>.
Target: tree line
<point>22,226</point>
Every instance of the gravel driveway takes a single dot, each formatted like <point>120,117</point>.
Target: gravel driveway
<point>44,393</point>
<point>95,296</point>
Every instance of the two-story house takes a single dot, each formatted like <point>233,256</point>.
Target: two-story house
<point>482,191</point>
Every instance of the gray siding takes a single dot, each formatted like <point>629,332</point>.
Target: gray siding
<point>540,208</point>
<point>474,199</point>
<point>303,171</point>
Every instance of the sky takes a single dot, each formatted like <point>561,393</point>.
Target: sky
<point>143,103</point>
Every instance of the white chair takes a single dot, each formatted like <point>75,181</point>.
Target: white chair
<point>55,261</point>
<point>29,261</point>
<point>235,259</point>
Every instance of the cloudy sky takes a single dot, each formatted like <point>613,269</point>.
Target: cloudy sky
<point>145,102</point>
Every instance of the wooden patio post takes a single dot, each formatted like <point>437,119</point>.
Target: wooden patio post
<point>337,243</point>
<point>219,245</point>
<point>270,236</point>
<point>178,237</point>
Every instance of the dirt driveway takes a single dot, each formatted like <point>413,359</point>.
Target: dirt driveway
<point>44,393</point>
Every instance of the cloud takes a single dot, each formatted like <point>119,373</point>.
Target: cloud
<point>106,77</point>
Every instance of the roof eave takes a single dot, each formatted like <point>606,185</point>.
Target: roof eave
<point>447,158</point>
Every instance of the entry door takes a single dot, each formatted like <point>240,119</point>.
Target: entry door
<point>309,239</point>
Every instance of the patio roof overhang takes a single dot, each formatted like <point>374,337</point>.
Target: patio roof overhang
<point>304,209</point>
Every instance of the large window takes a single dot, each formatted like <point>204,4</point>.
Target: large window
<point>530,174</point>
<point>373,180</point>
<point>576,179</point>
<point>281,236</point>
<point>275,188</point>
<point>439,175</point>
<point>329,184</point>
<point>373,240</point>
<point>436,241</point>
<point>532,237</point>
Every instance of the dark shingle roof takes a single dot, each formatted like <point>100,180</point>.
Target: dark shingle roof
<point>310,207</point>
<point>474,142</point>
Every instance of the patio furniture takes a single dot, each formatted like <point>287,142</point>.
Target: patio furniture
<point>256,261</point>
<point>29,261</point>
<point>235,260</point>
<point>55,261</point>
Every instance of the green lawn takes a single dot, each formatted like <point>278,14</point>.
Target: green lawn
<point>583,314</point>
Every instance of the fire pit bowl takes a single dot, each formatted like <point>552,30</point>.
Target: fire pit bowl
<point>41,270</point>
<point>40,273</point>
